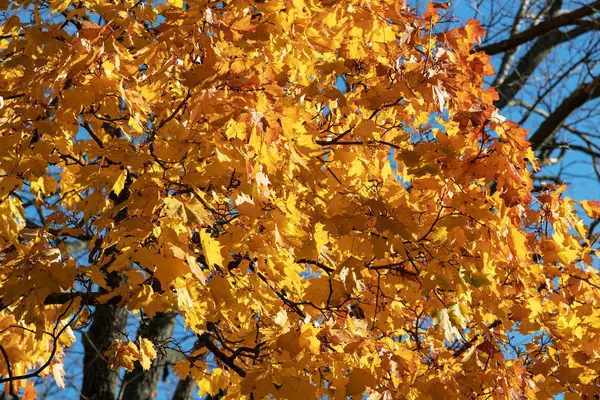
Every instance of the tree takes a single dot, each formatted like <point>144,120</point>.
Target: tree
<point>548,78</point>
<point>384,239</point>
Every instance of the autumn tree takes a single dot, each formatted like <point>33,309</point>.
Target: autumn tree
<point>547,56</point>
<point>195,161</point>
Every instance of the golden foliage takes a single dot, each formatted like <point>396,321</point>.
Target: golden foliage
<point>382,240</point>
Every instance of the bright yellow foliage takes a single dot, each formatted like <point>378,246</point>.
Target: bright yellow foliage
<point>125,354</point>
<point>384,240</point>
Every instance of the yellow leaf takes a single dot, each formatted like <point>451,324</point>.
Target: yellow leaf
<point>120,182</point>
<point>182,369</point>
<point>296,388</point>
<point>535,306</point>
<point>216,381</point>
<point>175,209</point>
<point>321,236</point>
<point>175,3</point>
<point>384,34</point>
<point>592,208</point>
<point>38,185</point>
<point>519,243</point>
<point>359,380</point>
<point>147,353</point>
<point>235,130</point>
<point>122,354</point>
<point>442,319</point>
<point>196,269</point>
<point>211,249</point>
<point>244,24</point>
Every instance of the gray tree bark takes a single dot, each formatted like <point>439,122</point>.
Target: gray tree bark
<point>185,389</point>
<point>99,381</point>
<point>553,123</point>
<point>139,384</point>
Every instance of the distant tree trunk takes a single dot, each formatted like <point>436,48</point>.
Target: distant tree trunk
<point>185,389</point>
<point>99,381</point>
<point>139,384</point>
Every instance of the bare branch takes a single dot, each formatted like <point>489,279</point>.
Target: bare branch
<point>508,56</point>
<point>205,339</point>
<point>540,29</point>
<point>553,123</point>
<point>530,61</point>
<point>324,267</point>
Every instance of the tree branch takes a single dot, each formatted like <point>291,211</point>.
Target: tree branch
<point>58,298</point>
<point>540,29</point>
<point>55,337</point>
<point>508,56</point>
<point>553,123</point>
<point>228,361</point>
<point>11,386</point>
<point>324,267</point>
<point>398,267</point>
<point>530,61</point>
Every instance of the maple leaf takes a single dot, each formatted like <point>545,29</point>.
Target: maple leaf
<point>592,208</point>
<point>124,354</point>
<point>212,249</point>
<point>30,393</point>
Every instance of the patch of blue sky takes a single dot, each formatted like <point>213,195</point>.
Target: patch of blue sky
<point>310,273</point>
<point>341,84</point>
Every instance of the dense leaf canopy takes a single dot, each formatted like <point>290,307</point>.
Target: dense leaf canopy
<point>381,239</point>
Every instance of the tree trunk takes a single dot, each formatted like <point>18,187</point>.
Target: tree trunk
<point>185,389</point>
<point>139,384</point>
<point>100,382</point>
